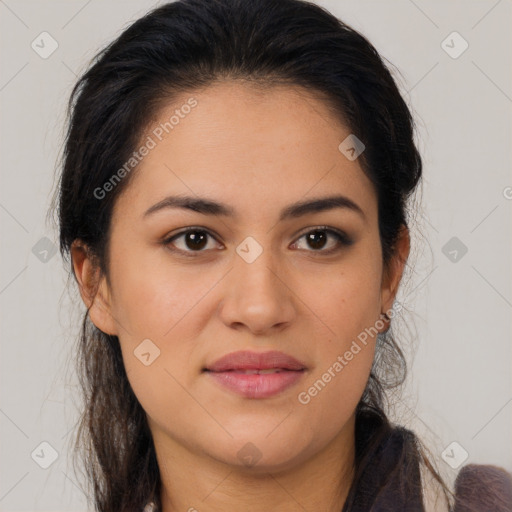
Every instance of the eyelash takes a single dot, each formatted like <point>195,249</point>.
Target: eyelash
<point>341,237</point>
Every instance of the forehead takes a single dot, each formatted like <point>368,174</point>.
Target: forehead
<point>248,146</point>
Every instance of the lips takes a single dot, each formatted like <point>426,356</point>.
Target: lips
<point>255,362</point>
<point>256,375</point>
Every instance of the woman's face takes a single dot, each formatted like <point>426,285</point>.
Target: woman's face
<point>251,278</point>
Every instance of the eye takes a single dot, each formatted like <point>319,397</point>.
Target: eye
<point>193,240</point>
<point>318,238</point>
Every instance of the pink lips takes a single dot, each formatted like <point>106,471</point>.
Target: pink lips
<point>241,372</point>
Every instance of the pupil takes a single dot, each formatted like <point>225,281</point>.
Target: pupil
<point>314,237</point>
<point>197,239</point>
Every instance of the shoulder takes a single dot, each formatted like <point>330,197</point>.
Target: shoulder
<point>483,487</point>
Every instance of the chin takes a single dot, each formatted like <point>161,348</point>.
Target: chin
<point>262,456</point>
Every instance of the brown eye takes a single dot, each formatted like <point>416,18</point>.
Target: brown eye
<point>317,240</point>
<point>192,240</point>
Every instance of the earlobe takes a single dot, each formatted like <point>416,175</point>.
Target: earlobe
<point>93,288</point>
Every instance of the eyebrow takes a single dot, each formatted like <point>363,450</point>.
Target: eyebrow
<point>295,210</point>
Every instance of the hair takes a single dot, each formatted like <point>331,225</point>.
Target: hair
<point>185,46</point>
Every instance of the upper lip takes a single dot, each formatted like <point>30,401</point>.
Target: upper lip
<point>247,360</point>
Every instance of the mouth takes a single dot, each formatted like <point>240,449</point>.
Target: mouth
<point>255,375</point>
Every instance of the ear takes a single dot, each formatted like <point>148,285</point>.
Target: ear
<point>393,273</point>
<point>93,287</point>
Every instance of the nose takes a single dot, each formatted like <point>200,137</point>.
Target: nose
<point>257,296</point>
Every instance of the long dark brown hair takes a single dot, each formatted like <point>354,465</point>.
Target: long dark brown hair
<point>183,46</point>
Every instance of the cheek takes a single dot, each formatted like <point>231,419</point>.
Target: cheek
<point>153,305</point>
<point>331,395</point>
<point>348,306</point>
<point>153,296</point>
<point>347,297</point>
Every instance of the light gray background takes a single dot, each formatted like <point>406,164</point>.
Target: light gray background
<point>460,375</point>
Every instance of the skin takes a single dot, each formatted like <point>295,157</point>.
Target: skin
<point>258,152</point>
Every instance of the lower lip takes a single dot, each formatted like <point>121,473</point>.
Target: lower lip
<point>257,385</point>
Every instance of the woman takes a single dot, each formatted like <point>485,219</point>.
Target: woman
<point>234,202</point>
